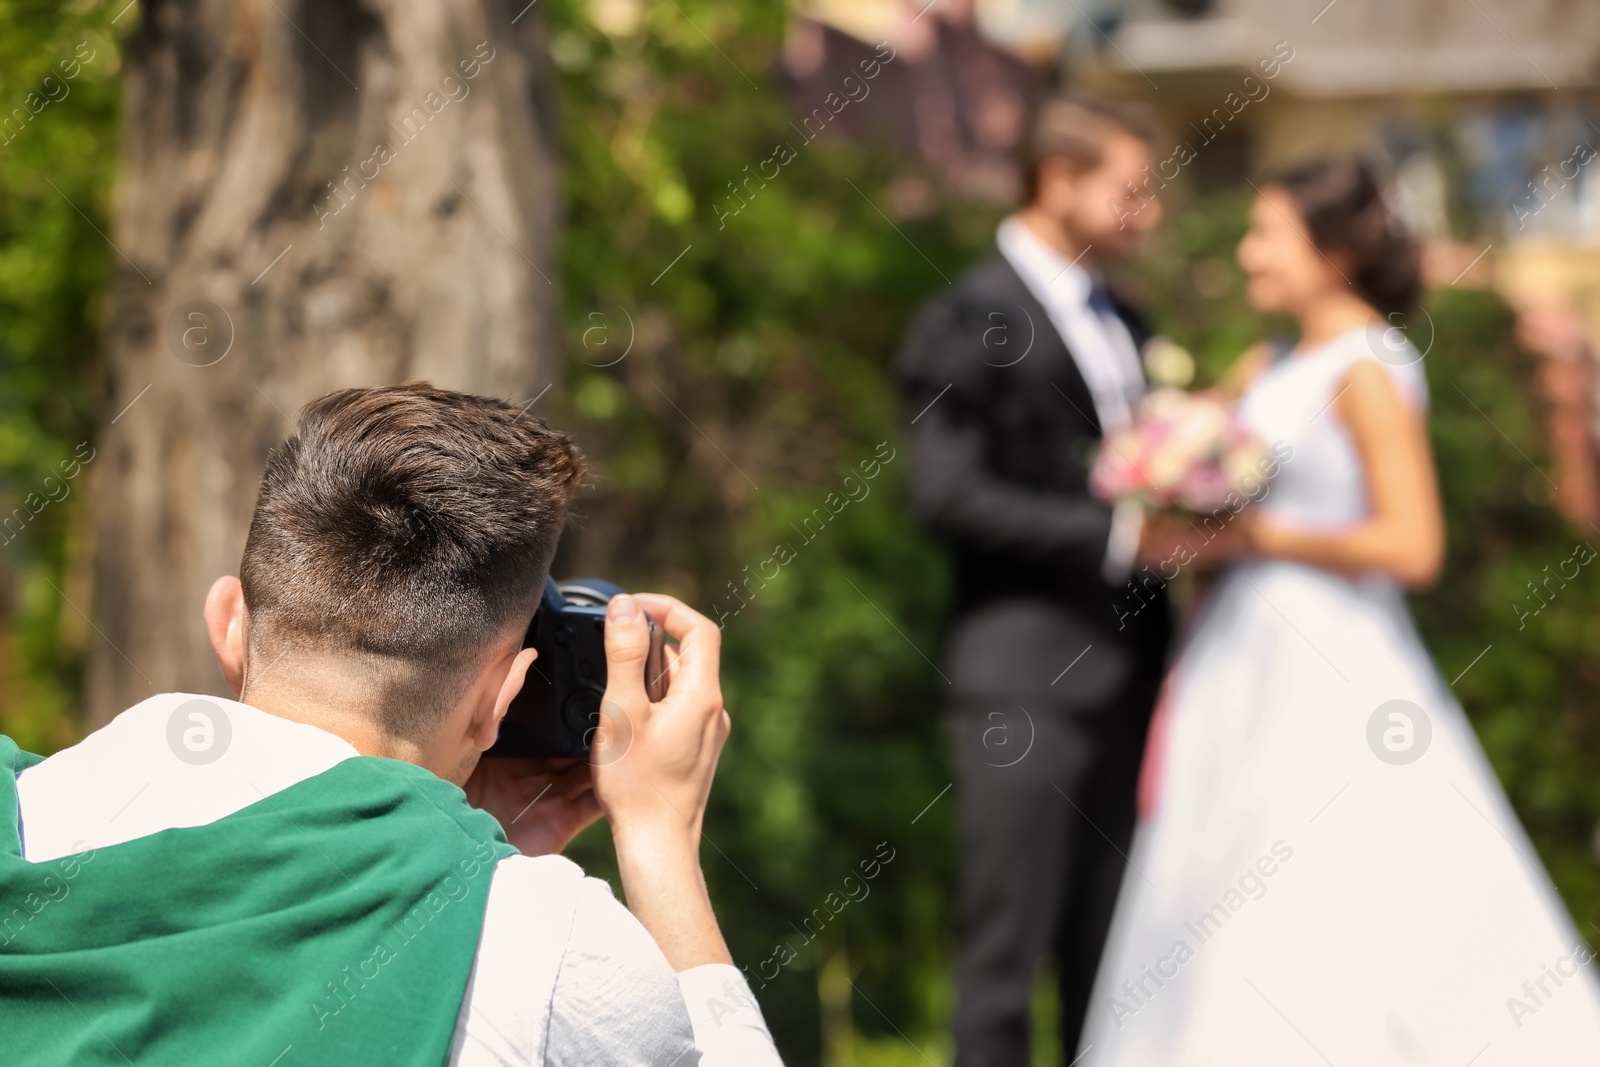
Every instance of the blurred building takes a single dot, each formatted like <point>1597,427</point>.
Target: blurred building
<point>950,95</point>
<point>1484,114</point>
<point>1484,111</point>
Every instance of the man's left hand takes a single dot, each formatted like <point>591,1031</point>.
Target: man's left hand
<point>542,804</point>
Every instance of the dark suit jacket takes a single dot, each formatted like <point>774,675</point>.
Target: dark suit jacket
<point>1003,436</point>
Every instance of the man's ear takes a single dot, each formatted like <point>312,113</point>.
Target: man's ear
<point>225,623</point>
<point>486,730</point>
<point>1058,179</point>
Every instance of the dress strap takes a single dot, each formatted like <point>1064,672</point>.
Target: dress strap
<point>1402,363</point>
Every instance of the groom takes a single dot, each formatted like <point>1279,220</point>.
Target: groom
<point>1011,378</point>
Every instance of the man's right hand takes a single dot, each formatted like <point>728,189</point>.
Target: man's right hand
<point>1167,543</point>
<point>653,764</point>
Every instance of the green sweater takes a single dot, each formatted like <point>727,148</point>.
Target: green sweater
<point>334,922</point>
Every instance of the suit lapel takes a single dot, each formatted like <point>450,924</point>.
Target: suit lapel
<point>1054,368</point>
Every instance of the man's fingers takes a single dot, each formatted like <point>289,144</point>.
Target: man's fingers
<point>670,654</point>
<point>573,780</point>
<point>699,641</point>
<point>586,808</point>
<point>675,617</point>
<point>627,647</point>
<point>571,784</point>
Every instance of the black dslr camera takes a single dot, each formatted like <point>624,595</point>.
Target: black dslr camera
<point>558,710</point>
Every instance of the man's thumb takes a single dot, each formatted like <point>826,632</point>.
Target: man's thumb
<point>627,646</point>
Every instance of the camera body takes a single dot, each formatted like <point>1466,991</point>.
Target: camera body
<point>558,710</point>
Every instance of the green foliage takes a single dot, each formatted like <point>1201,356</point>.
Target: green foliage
<point>1191,286</point>
<point>58,114</point>
<point>756,379</point>
<point>761,359</point>
<point>1533,695</point>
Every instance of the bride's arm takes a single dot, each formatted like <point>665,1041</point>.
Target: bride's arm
<point>1404,537</point>
<point>1244,370</point>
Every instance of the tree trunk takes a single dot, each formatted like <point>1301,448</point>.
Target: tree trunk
<point>315,194</point>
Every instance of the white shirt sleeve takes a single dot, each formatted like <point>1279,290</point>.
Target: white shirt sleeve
<point>1127,525</point>
<point>617,1000</point>
<point>566,976</point>
<point>728,1026</point>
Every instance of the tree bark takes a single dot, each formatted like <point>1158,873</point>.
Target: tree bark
<point>315,194</point>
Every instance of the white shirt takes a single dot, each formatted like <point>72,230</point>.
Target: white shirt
<point>1100,345</point>
<point>564,974</point>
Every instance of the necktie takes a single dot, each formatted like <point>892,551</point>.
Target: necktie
<point>1131,375</point>
<point>1100,300</point>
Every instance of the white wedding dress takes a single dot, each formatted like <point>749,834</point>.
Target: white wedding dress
<point>1316,881</point>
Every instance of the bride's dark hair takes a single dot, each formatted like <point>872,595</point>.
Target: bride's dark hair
<point>1343,207</point>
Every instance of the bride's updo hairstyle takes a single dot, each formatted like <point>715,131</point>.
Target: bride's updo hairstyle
<point>1344,209</point>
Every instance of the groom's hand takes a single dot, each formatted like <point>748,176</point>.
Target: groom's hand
<point>1166,543</point>
<point>1163,540</point>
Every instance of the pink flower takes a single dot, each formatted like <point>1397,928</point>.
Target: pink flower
<point>1182,449</point>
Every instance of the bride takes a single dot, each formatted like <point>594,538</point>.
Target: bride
<point>1326,871</point>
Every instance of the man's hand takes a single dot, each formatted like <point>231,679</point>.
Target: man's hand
<point>1167,544</point>
<point>652,766</point>
<point>653,763</point>
<point>542,804</point>
<point>1160,539</point>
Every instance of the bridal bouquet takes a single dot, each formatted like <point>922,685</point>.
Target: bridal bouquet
<point>1183,451</point>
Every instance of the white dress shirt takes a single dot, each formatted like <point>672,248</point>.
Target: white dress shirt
<point>564,974</point>
<point>1102,348</point>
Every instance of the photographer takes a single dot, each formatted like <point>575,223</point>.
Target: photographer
<point>325,871</point>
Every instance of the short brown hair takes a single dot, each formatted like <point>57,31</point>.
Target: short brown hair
<point>1074,126</point>
<point>407,526</point>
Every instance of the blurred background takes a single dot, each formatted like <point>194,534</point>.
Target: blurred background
<point>692,232</point>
